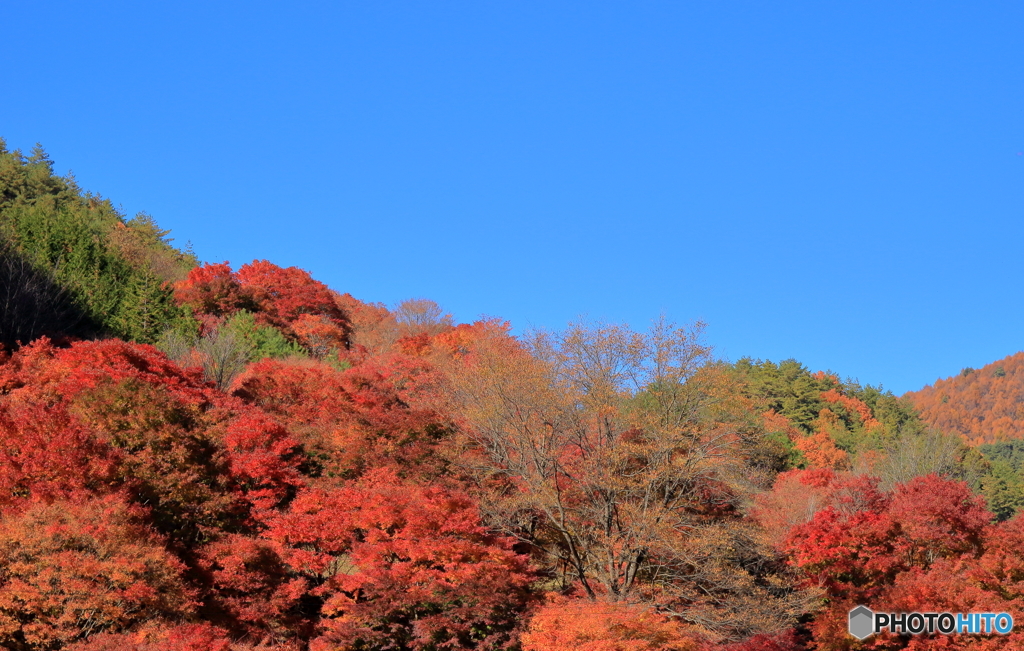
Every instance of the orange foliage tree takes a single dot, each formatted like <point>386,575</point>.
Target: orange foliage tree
<point>564,624</point>
<point>74,568</point>
<point>821,452</point>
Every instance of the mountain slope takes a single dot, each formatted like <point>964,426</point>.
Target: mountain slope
<point>984,405</point>
<point>71,264</point>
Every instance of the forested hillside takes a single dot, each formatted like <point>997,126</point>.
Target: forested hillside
<point>70,264</point>
<point>984,405</point>
<point>209,457</point>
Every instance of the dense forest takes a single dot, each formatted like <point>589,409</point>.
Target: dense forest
<point>984,405</point>
<point>199,457</point>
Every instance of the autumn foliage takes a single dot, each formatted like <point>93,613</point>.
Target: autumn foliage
<point>395,562</point>
<point>929,546</point>
<point>288,299</point>
<point>137,497</point>
<point>106,416</point>
<point>377,413</point>
<point>292,469</point>
<point>565,624</point>
<point>78,567</point>
<point>981,405</point>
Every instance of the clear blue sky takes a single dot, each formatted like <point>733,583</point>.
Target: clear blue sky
<point>839,182</point>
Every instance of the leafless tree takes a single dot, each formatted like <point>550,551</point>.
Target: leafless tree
<point>915,454</point>
<point>621,455</point>
<point>420,315</point>
<point>224,354</point>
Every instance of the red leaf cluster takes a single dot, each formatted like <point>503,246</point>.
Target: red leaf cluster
<point>289,299</point>
<point>380,412</point>
<point>107,416</point>
<point>405,565</point>
<point>930,546</point>
<point>136,496</point>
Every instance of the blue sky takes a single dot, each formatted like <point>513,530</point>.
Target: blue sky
<point>836,182</point>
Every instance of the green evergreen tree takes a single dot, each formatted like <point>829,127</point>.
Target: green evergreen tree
<point>1003,490</point>
<point>115,272</point>
<point>787,387</point>
<point>261,341</point>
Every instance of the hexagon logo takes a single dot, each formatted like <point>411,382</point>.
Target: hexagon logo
<point>862,622</point>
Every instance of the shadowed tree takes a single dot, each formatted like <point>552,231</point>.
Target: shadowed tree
<point>32,304</point>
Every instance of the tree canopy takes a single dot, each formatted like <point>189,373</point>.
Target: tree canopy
<point>199,457</point>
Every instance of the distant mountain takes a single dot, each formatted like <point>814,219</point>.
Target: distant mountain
<point>983,405</point>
